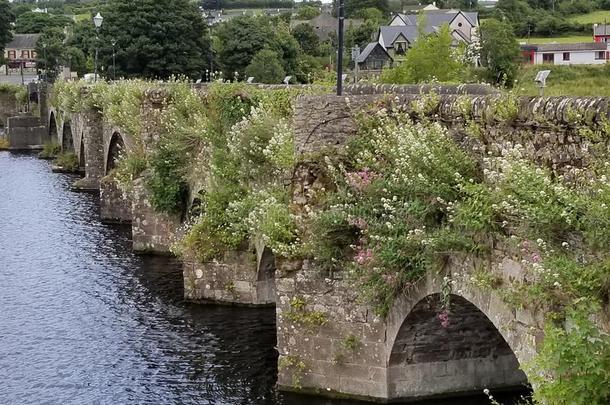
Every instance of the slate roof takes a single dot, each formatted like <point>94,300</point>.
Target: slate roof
<point>367,51</point>
<point>580,46</point>
<point>388,34</point>
<point>436,18</point>
<point>23,41</point>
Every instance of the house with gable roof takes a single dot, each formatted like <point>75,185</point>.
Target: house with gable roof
<point>463,25</point>
<point>403,30</point>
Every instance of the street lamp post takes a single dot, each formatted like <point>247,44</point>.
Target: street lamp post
<point>44,56</point>
<point>341,16</point>
<point>97,21</point>
<point>113,59</point>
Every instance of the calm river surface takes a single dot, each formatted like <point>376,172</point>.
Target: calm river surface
<point>85,321</point>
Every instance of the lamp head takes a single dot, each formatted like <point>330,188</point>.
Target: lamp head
<point>98,20</point>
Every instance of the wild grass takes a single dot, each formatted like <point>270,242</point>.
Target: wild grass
<point>560,40</point>
<point>581,80</point>
<point>594,17</point>
<point>50,151</point>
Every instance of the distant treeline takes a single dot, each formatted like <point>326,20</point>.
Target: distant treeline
<point>229,4</point>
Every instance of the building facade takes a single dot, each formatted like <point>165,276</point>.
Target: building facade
<point>584,53</point>
<point>21,51</point>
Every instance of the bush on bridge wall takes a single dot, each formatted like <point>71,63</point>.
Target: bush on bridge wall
<point>249,150</point>
<point>19,92</point>
<point>405,197</point>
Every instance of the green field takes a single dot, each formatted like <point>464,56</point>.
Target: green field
<point>579,80</point>
<point>82,17</point>
<point>591,18</point>
<point>560,40</point>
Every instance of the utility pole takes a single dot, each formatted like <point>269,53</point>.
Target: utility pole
<point>341,16</point>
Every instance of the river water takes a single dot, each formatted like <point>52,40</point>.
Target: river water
<point>85,321</point>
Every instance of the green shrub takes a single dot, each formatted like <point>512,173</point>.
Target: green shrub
<point>167,182</point>
<point>68,161</point>
<point>574,364</point>
<point>50,150</point>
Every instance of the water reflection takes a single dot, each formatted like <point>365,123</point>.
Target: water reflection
<point>85,321</point>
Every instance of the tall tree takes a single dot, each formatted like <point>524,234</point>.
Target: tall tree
<point>50,51</point>
<point>154,38</point>
<point>499,51</point>
<point>238,40</point>
<point>6,17</point>
<point>307,38</point>
<point>36,23</point>
<point>354,8</point>
<point>266,68</point>
<point>432,58</point>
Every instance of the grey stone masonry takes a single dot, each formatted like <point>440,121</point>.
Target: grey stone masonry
<point>332,343</point>
<point>115,203</point>
<point>153,232</point>
<point>243,277</point>
<point>88,133</point>
<point>8,107</point>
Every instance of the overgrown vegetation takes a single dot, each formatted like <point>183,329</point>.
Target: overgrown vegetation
<point>403,199</point>
<point>19,92</point>
<point>50,150</point>
<point>406,197</point>
<point>68,161</point>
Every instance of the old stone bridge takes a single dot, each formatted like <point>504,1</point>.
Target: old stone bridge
<point>404,355</point>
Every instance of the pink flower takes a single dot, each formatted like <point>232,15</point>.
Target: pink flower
<point>389,279</point>
<point>443,317</point>
<point>363,256</point>
<point>525,245</point>
<point>536,258</point>
<point>362,179</point>
<point>359,223</point>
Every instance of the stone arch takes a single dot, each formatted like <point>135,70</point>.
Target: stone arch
<point>265,277</point>
<point>82,161</point>
<point>53,128</point>
<point>67,140</point>
<point>116,148</point>
<point>465,354</point>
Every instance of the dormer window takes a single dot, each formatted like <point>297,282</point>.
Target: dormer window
<point>400,47</point>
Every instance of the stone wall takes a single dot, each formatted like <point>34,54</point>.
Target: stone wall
<point>26,133</point>
<point>115,203</point>
<point>408,354</point>
<point>330,365</point>
<point>243,277</point>
<point>87,129</point>
<point>8,107</point>
<point>153,232</point>
<point>543,126</point>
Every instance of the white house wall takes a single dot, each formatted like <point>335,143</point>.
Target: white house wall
<point>397,22</point>
<point>466,27</point>
<point>576,58</point>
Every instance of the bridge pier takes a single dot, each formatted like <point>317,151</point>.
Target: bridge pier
<point>153,232</point>
<point>115,203</point>
<point>244,277</point>
<point>89,146</point>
